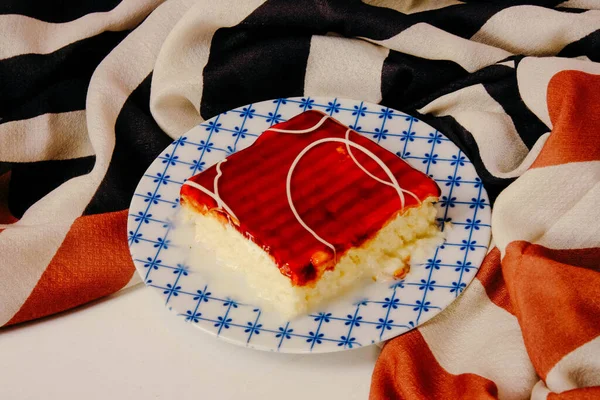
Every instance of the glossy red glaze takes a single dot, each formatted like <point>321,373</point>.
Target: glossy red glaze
<point>333,196</point>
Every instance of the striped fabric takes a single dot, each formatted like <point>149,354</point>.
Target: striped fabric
<point>91,92</point>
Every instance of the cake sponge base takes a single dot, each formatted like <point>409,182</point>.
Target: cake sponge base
<point>406,237</point>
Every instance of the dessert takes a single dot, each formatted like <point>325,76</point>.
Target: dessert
<point>311,209</point>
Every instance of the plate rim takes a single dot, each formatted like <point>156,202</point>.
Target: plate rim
<point>306,350</point>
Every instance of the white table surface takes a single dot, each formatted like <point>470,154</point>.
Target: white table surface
<point>128,346</point>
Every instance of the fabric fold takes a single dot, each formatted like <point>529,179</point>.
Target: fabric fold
<point>91,96</point>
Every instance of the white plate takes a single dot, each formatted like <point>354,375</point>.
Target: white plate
<point>383,310</point>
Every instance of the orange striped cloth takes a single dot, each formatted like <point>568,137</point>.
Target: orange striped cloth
<point>93,250</point>
<point>530,321</point>
<point>91,94</point>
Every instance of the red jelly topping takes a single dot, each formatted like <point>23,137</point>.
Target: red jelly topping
<point>330,192</point>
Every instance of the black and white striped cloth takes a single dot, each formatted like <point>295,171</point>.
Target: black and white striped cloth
<point>92,90</point>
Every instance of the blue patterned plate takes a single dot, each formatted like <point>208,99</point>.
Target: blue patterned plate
<point>383,309</point>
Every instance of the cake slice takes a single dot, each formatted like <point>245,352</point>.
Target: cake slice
<point>311,209</point>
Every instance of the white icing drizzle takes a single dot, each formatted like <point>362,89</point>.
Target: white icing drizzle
<point>376,178</point>
<point>288,183</point>
<point>321,122</point>
<point>215,196</point>
<point>216,183</point>
<point>307,130</point>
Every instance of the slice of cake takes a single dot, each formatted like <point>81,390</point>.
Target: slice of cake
<point>311,209</point>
